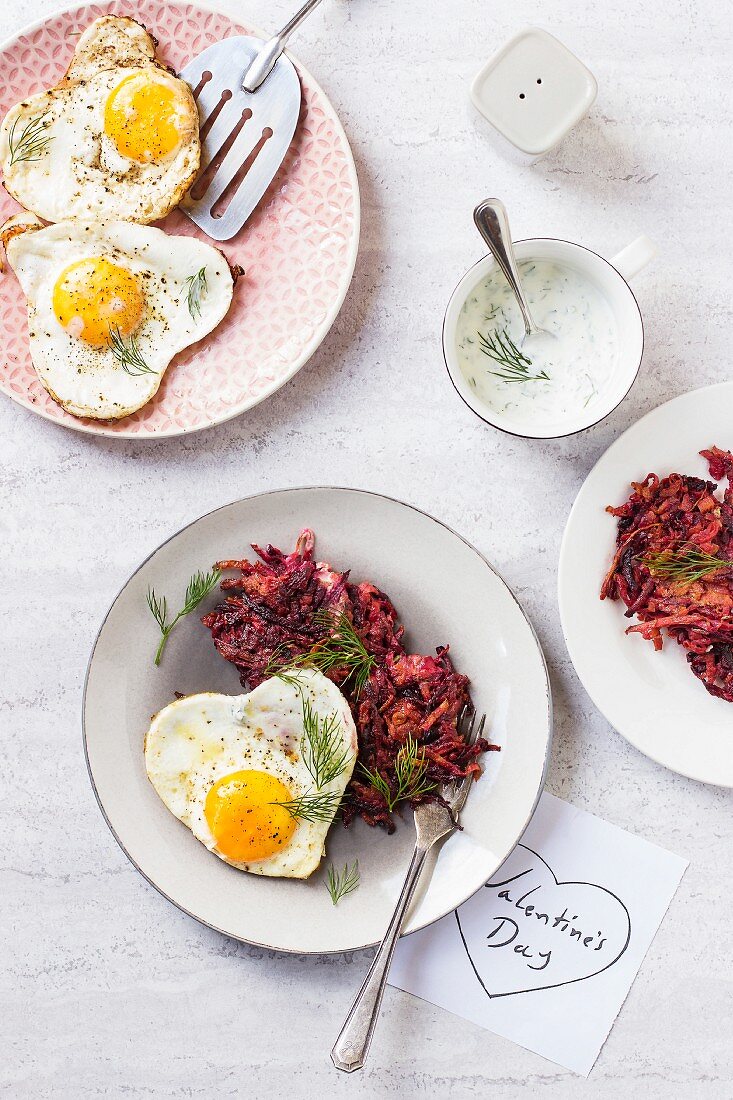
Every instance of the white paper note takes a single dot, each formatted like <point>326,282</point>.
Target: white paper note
<point>546,952</point>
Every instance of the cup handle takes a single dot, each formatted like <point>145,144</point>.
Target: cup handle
<point>634,257</point>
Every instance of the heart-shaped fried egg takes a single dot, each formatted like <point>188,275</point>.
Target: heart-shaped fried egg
<point>109,306</point>
<point>118,137</point>
<point>257,778</point>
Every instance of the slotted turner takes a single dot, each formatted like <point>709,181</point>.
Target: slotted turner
<point>248,96</point>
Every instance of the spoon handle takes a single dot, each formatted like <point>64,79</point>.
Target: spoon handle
<point>492,223</point>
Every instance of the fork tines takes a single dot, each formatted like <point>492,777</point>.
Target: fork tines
<point>467,724</point>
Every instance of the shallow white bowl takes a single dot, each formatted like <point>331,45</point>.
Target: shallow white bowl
<point>444,592</point>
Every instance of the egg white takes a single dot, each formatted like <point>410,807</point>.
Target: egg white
<point>199,739</point>
<point>89,381</point>
<point>79,173</point>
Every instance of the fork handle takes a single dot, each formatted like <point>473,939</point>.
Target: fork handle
<point>263,64</point>
<point>352,1046</point>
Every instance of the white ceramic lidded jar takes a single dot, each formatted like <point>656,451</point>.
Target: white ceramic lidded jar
<point>533,91</point>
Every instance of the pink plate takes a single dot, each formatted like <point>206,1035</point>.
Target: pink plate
<point>298,249</point>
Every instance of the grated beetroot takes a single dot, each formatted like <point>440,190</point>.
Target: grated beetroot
<point>271,606</point>
<point>673,514</point>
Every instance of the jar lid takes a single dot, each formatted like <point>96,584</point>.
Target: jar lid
<point>533,91</point>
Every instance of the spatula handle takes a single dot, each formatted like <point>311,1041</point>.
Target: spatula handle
<point>297,19</point>
<point>263,63</point>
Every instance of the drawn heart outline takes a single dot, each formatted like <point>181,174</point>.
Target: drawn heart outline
<point>558,883</point>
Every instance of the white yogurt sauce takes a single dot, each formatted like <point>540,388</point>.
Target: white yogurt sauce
<point>579,363</point>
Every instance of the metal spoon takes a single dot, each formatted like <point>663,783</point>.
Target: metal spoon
<point>492,222</point>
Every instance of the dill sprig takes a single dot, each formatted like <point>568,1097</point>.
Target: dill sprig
<point>341,883</point>
<point>198,588</point>
<point>127,353</point>
<point>196,291</point>
<point>500,347</point>
<point>410,775</point>
<point>314,806</point>
<point>685,565</point>
<point>283,671</point>
<point>324,754</point>
<point>30,143</point>
<point>342,648</point>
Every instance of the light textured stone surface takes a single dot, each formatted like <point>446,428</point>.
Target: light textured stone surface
<point>107,990</point>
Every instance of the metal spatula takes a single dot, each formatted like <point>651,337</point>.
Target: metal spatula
<point>248,97</point>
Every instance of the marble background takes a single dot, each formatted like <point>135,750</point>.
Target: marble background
<point>106,990</point>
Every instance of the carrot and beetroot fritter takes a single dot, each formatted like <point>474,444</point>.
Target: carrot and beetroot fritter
<point>285,606</point>
<point>673,567</point>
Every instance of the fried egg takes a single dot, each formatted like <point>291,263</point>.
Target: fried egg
<point>117,138</point>
<point>238,771</point>
<point>109,306</point>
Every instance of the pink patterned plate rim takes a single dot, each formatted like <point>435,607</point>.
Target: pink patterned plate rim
<point>298,249</point>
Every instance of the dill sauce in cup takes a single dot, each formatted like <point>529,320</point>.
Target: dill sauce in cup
<point>584,301</point>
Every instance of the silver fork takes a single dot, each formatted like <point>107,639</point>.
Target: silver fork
<point>433,822</point>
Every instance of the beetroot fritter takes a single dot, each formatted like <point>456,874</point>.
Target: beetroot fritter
<point>278,609</point>
<point>273,605</point>
<point>667,528</point>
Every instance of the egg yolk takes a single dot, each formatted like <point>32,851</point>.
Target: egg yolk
<point>243,819</point>
<point>144,118</point>
<point>92,296</point>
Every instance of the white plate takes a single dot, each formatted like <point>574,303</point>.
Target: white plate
<point>651,698</point>
<point>444,591</point>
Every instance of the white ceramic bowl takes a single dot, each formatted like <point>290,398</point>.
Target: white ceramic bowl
<point>611,279</point>
<point>445,592</point>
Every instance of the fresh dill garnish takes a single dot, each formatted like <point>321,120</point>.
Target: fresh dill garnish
<point>341,883</point>
<point>127,353</point>
<point>198,588</point>
<point>342,648</point>
<point>282,664</point>
<point>31,142</point>
<point>686,565</point>
<point>314,806</point>
<point>323,750</point>
<point>592,394</point>
<point>281,668</point>
<point>410,773</point>
<point>500,347</point>
<point>324,754</point>
<point>196,291</point>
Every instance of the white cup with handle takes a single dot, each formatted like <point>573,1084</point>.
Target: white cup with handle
<point>611,278</point>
